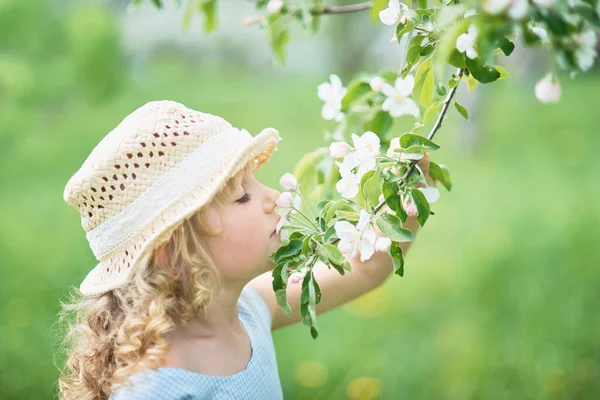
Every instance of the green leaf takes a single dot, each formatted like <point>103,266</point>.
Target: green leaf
<point>157,3</point>
<point>371,188</point>
<point>393,200</point>
<point>433,109</point>
<point>335,257</point>
<point>588,13</point>
<point>209,8</point>
<point>396,253</point>
<point>422,206</point>
<point>380,123</point>
<point>356,90</point>
<point>425,83</point>
<point>457,59</point>
<point>409,139</point>
<point>401,30</point>
<point>503,72</point>
<point>279,40</point>
<point>440,173</point>
<point>306,170</point>
<point>350,216</point>
<point>556,23</point>
<point>306,248</point>
<point>391,226</point>
<point>506,46</point>
<point>414,48</point>
<point>321,205</point>
<point>471,83</point>
<point>289,250</point>
<point>461,109</point>
<point>281,297</point>
<point>483,73</point>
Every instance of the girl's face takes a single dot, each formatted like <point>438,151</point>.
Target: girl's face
<point>247,231</point>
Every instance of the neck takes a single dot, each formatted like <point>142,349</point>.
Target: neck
<point>221,315</point>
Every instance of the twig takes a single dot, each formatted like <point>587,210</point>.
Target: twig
<point>342,9</point>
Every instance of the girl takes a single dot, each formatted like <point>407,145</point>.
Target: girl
<point>180,305</point>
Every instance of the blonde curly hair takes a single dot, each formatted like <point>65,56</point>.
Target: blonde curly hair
<point>113,335</point>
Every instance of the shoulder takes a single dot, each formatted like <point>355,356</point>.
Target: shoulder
<point>255,304</point>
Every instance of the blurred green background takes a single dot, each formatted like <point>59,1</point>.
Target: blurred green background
<point>501,291</point>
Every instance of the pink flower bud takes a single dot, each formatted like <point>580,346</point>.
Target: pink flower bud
<point>338,149</point>
<point>288,182</point>
<point>296,278</point>
<point>410,208</point>
<point>285,200</point>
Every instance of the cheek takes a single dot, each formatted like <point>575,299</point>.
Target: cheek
<point>242,245</point>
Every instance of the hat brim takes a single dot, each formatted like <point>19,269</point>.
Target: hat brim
<point>104,276</point>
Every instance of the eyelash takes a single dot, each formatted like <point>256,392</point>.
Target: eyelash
<point>244,199</point>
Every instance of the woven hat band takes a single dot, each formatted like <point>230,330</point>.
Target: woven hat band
<point>188,175</point>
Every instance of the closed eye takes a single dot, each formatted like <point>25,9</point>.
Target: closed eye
<point>244,199</point>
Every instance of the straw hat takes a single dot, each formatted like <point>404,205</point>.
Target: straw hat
<point>161,164</point>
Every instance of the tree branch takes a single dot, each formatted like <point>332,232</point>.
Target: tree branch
<point>342,9</point>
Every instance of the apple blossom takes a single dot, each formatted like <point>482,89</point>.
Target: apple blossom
<point>465,43</point>
<point>377,83</point>
<point>288,182</point>
<point>398,103</point>
<point>339,149</point>
<point>394,13</point>
<point>547,90</point>
<point>431,194</point>
<point>586,49</point>
<point>361,237</point>
<point>274,6</point>
<point>332,93</point>
<point>382,243</point>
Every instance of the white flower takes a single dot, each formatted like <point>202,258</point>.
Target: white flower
<point>394,13</point>
<point>544,3</point>
<point>431,194</point>
<point>495,6</point>
<point>332,94</point>
<point>382,243</point>
<point>361,237</point>
<point>288,182</point>
<point>274,6</point>
<point>285,200</point>
<point>470,13</point>
<point>586,49</point>
<point>466,42</point>
<point>348,186</point>
<point>339,149</point>
<point>366,149</point>
<point>517,9</point>
<point>541,33</point>
<point>397,102</point>
<point>286,204</point>
<point>377,83</point>
<point>547,90</point>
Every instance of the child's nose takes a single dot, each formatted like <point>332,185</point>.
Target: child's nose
<point>272,197</point>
